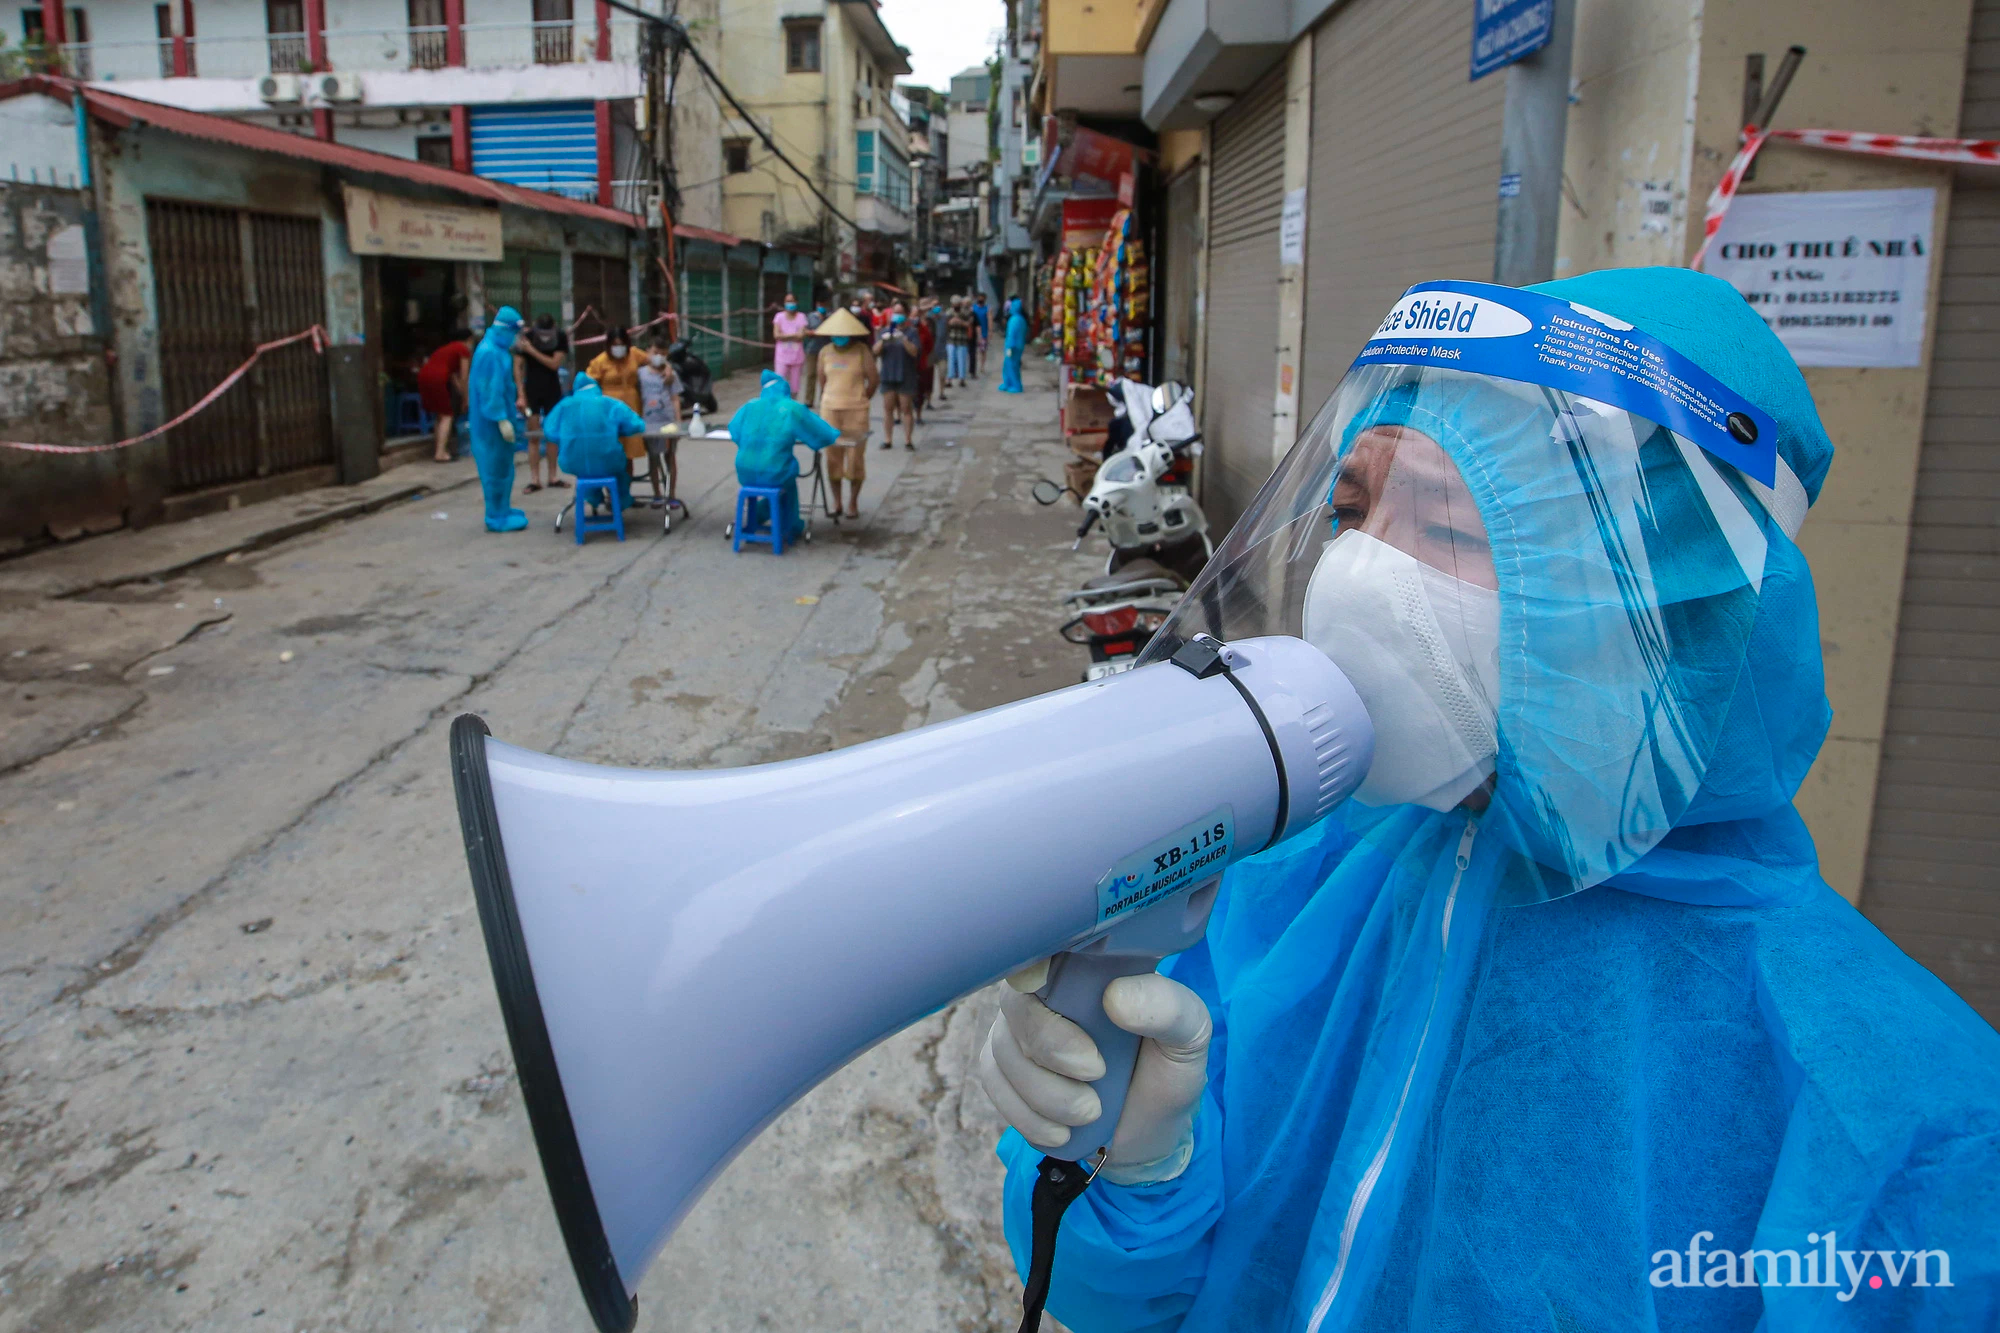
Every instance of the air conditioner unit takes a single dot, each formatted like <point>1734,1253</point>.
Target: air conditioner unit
<point>341,87</point>
<point>278,88</point>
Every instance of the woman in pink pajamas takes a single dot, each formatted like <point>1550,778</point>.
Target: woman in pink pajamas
<point>788,331</point>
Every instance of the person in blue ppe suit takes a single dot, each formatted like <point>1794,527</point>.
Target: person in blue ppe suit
<point>765,430</point>
<point>1555,1025</point>
<point>588,428</point>
<point>493,415</point>
<point>1017,343</point>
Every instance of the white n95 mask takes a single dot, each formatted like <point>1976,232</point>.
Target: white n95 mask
<point>1423,651</point>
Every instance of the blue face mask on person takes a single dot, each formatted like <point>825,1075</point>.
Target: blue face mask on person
<point>895,319</point>
<point>842,340</point>
<point>791,305</point>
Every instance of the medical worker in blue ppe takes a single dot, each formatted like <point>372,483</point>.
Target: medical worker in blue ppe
<point>1017,343</point>
<point>765,430</point>
<point>494,417</point>
<point>588,429</point>
<point>1555,1026</point>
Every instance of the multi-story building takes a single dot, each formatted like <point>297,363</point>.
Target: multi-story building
<point>1009,258</point>
<point>538,93</point>
<point>971,90</point>
<point>928,147</point>
<point>818,76</point>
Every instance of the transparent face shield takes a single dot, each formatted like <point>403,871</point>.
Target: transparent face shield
<point>1544,600</point>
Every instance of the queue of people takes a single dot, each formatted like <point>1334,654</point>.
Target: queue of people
<point>513,389</point>
<point>908,355</point>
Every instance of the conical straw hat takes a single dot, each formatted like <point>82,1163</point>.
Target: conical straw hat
<point>841,324</point>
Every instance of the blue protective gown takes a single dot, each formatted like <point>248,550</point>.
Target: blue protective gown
<point>1436,1102</point>
<point>1017,343</point>
<point>765,430</point>
<point>586,427</point>
<point>491,398</point>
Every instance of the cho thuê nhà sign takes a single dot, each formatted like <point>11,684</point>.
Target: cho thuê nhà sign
<point>387,224</point>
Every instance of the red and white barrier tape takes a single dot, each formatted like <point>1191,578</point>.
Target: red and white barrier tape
<point>636,328</point>
<point>317,334</point>
<point>726,337</point>
<point>1911,147</point>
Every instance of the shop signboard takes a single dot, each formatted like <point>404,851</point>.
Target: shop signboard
<point>387,224</point>
<point>1503,31</point>
<point>1841,276</point>
<point>1084,222</point>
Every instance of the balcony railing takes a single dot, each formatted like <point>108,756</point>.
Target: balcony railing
<point>487,45</point>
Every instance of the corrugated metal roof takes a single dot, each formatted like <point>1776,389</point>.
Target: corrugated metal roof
<point>119,110</point>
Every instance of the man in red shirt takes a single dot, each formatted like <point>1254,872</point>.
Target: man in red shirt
<point>441,387</point>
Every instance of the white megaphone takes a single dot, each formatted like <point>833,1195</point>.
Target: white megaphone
<point>667,995</point>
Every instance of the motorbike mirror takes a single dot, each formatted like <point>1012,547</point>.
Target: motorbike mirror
<point>1047,492</point>
<point>1166,394</point>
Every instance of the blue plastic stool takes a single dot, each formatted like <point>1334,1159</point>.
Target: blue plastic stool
<point>771,535</point>
<point>411,419</point>
<point>585,524</point>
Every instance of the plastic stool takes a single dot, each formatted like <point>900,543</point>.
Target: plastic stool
<point>411,419</point>
<point>771,535</point>
<point>585,524</point>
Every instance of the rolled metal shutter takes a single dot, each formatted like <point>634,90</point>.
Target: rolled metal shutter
<point>1929,882</point>
<point>551,146</point>
<point>1405,172</point>
<point>1239,385</point>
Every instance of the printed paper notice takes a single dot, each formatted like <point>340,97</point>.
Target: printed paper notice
<point>1292,228</point>
<point>1841,276</point>
<point>69,263</point>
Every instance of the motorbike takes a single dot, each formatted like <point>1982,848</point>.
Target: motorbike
<point>1116,614</point>
<point>1142,494</point>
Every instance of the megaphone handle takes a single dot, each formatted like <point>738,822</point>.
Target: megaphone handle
<point>1075,990</point>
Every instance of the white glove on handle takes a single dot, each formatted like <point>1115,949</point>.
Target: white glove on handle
<point>1037,1067</point>
<point>507,431</point>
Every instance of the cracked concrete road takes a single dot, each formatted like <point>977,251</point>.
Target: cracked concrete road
<point>252,1074</point>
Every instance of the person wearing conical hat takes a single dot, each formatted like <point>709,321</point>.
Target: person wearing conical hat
<point>847,381</point>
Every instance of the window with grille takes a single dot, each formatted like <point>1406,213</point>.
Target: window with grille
<point>554,31</point>
<point>736,156</point>
<point>427,34</point>
<point>285,21</point>
<point>864,161</point>
<point>434,149</point>
<point>802,46</point>
<point>163,25</point>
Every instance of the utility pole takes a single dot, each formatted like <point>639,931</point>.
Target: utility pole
<point>1533,128</point>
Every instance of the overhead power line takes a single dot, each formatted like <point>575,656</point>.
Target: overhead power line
<point>678,33</point>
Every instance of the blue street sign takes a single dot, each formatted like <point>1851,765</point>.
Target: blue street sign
<point>1505,30</point>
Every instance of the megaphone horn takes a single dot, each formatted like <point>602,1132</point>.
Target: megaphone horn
<point>682,955</point>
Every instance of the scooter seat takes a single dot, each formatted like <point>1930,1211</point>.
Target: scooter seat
<point>1134,571</point>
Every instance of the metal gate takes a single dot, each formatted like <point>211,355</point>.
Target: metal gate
<point>292,403</point>
<point>1401,181</point>
<point>225,280</point>
<point>1246,195</point>
<point>603,284</point>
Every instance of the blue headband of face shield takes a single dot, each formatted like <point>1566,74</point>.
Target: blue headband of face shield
<point>1627,559</point>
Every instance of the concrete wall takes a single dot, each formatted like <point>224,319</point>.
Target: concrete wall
<point>1660,91</point>
<point>54,387</point>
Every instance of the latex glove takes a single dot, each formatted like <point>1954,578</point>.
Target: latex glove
<point>1037,1066</point>
<point>507,431</point>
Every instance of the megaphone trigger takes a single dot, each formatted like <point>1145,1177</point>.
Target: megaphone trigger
<point>666,996</point>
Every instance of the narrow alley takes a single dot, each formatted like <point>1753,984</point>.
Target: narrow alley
<point>252,1071</point>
